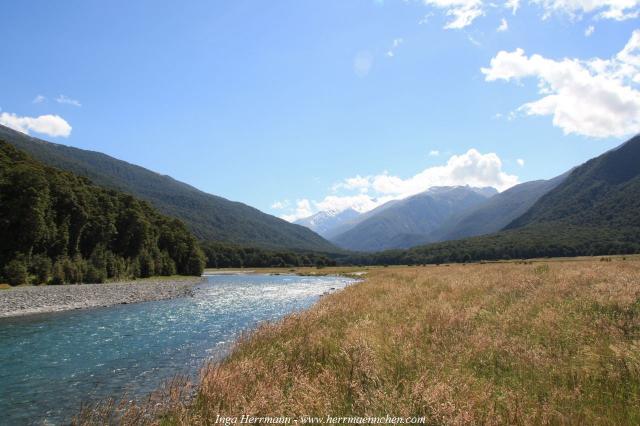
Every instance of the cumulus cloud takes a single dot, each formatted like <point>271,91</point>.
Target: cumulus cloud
<point>462,12</point>
<point>62,99</point>
<point>520,162</point>
<point>594,97</point>
<point>434,153</point>
<point>471,168</point>
<point>51,125</point>
<point>504,26</point>
<point>39,99</point>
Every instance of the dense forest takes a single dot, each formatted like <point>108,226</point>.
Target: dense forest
<point>532,242</point>
<point>230,256</point>
<point>58,227</point>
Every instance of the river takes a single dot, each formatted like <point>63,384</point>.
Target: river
<point>52,363</point>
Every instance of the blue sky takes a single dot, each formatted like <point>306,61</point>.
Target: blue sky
<point>296,106</point>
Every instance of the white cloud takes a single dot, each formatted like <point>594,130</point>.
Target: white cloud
<point>605,9</point>
<point>471,168</point>
<point>589,31</point>
<point>51,125</point>
<point>362,63</point>
<point>504,26</point>
<point>62,99</point>
<point>434,153</point>
<point>302,210</point>
<point>595,97</point>
<point>520,162</point>
<point>354,183</point>
<point>279,205</point>
<point>473,41</point>
<point>463,12</point>
<point>360,203</point>
<point>396,43</point>
<point>514,5</point>
<point>39,99</point>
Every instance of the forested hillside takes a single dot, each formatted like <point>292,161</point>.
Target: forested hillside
<point>209,217</point>
<point>60,228</point>
<point>603,192</point>
<point>230,256</point>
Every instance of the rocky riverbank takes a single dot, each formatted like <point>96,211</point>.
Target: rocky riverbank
<point>32,300</point>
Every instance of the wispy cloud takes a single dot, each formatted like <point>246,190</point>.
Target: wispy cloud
<point>62,99</point>
<point>39,99</point>
<point>394,46</point>
<point>279,205</point>
<point>463,13</point>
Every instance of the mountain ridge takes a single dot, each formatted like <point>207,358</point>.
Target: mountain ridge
<point>400,223</point>
<point>209,217</point>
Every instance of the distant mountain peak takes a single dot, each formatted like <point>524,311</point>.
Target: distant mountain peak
<point>325,221</point>
<point>486,191</point>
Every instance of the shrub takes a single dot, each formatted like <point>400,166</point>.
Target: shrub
<point>15,272</point>
<point>40,267</point>
<point>95,275</point>
<point>57,273</point>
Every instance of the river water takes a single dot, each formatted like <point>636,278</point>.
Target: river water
<point>52,363</point>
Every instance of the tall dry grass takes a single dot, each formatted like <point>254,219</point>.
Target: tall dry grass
<point>538,343</point>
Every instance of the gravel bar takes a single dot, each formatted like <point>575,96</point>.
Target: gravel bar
<point>53,298</point>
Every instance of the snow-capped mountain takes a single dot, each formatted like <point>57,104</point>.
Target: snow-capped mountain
<point>325,221</point>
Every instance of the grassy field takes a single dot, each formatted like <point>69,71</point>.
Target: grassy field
<point>501,343</point>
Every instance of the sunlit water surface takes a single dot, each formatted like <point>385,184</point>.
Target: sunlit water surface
<point>51,363</point>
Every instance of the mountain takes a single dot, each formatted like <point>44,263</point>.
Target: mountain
<point>59,226</point>
<point>603,193</point>
<point>324,222</point>
<point>209,217</point>
<point>496,212</point>
<point>407,222</point>
<point>349,224</point>
<point>594,210</point>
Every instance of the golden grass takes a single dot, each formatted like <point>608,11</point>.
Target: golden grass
<point>542,343</point>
